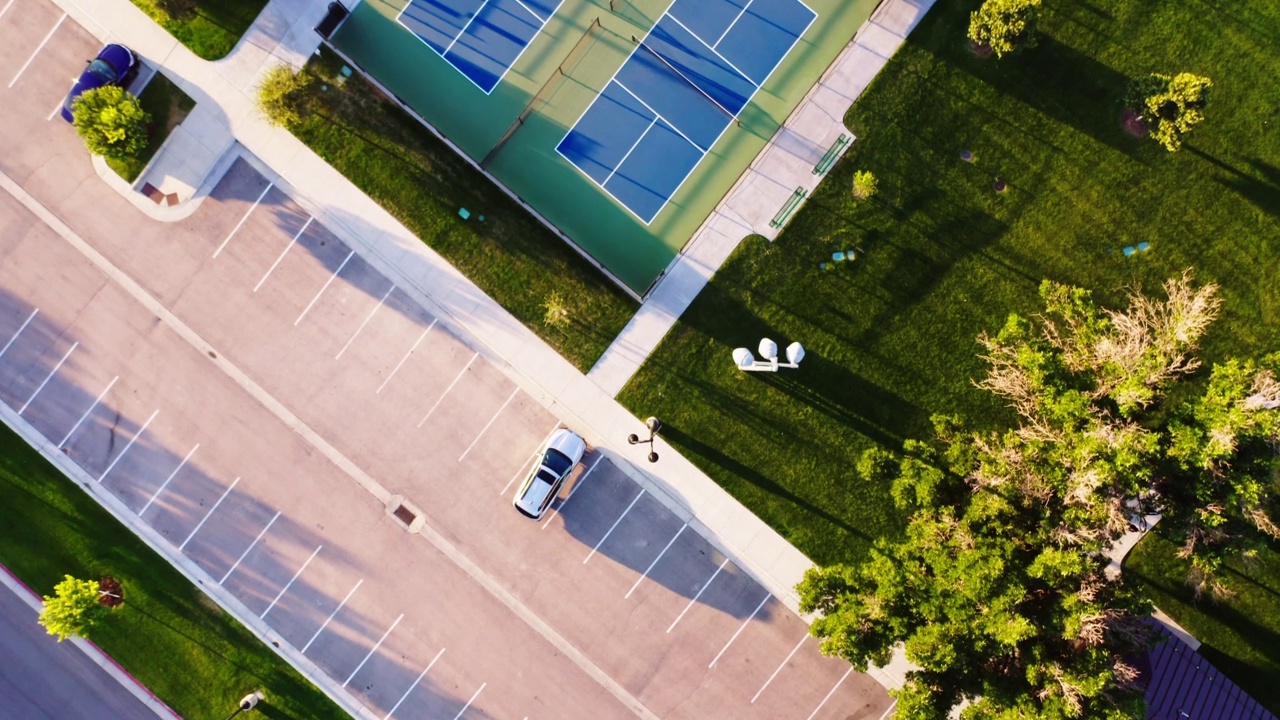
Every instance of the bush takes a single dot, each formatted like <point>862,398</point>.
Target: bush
<point>281,95</point>
<point>865,184</point>
<point>1004,25</point>
<point>1170,105</point>
<point>73,610</point>
<point>112,122</point>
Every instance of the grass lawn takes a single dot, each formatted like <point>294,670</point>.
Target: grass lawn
<point>510,255</point>
<point>168,634</point>
<point>168,106</point>
<point>209,28</point>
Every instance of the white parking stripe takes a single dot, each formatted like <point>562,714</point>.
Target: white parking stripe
<point>833,692</point>
<point>473,699</point>
<point>613,527</point>
<point>374,649</point>
<point>780,666</point>
<point>247,213</point>
<point>286,250</point>
<point>49,377</point>
<point>421,337</point>
<point>54,113</point>
<point>289,584</point>
<point>446,390</point>
<point>421,675</point>
<point>325,624</point>
<point>327,283</point>
<point>6,8</point>
<point>525,464</point>
<point>576,485</point>
<point>744,625</point>
<point>132,440</point>
<point>39,47</point>
<point>640,579</point>
<point>489,424</point>
<point>366,321</point>
<point>25,323</point>
<point>207,515</point>
<point>249,549</point>
<point>889,709</point>
<point>714,575</point>
<point>86,414</point>
<point>169,479</point>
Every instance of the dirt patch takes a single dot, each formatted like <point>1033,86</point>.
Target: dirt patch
<point>110,594</point>
<point>1133,123</point>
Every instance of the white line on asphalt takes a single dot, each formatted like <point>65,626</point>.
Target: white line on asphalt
<point>169,479</point>
<point>473,699</point>
<point>327,283</point>
<point>640,579</point>
<point>27,322</point>
<point>6,8</point>
<point>374,649</point>
<point>782,665</point>
<point>889,709</point>
<point>614,526</point>
<point>132,440</point>
<point>289,584</point>
<point>489,424</point>
<point>400,364</point>
<point>744,625</point>
<point>286,250</point>
<point>200,524</point>
<point>446,390</point>
<point>366,321</point>
<point>101,395</point>
<point>56,108</point>
<point>421,675</point>
<point>325,624</point>
<point>49,377</point>
<point>576,485</point>
<point>525,464</point>
<point>247,213</point>
<point>828,697</point>
<point>39,47</point>
<point>245,554</point>
<point>695,597</point>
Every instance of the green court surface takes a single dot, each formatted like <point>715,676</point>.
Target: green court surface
<point>513,132</point>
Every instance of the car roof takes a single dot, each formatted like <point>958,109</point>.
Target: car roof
<point>569,443</point>
<point>535,493</point>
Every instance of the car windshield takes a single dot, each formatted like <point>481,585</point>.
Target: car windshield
<point>103,69</point>
<point>557,461</point>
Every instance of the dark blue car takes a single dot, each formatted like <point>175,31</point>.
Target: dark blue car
<point>115,65</point>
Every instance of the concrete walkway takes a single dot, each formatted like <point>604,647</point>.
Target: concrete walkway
<point>787,165</point>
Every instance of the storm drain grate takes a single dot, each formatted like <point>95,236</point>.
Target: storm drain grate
<point>404,515</point>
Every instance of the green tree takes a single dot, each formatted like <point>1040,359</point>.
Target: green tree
<point>865,184</point>
<point>111,122</point>
<point>73,610</point>
<point>1004,25</point>
<point>1170,105</point>
<point>281,95</point>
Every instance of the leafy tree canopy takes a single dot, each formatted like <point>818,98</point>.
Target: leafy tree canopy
<point>111,122</point>
<point>1004,25</point>
<point>1170,105</point>
<point>73,610</point>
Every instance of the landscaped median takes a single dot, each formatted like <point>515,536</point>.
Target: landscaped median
<point>167,634</point>
<point>209,28</point>
<point>167,106</point>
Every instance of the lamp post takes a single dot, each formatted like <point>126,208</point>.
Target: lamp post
<point>248,702</point>
<point>654,425</point>
<point>747,362</point>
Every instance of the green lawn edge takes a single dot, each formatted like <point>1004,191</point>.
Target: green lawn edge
<point>167,105</point>
<point>209,28</point>
<point>170,636</point>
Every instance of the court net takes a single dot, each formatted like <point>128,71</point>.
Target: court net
<point>690,83</point>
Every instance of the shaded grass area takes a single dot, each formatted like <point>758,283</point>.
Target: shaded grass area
<point>169,635</point>
<point>209,28</point>
<point>512,257</point>
<point>168,106</point>
<point>1241,635</point>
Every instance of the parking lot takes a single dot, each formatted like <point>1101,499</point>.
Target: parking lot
<point>284,378</point>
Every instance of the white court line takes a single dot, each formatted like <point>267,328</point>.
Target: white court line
<point>473,699</point>
<point>27,322</point>
<point>741,12</point>
<point>576,485</point>
<point>489,424</point>
<point>525,464</point>
<point>464,29</point>
<point>374,649</point>
<point>289,584</point>
<point>670,542</point>
<point>633,147</point>
<point>325,624</point>
<point>714,575</point>
<point>39,47</point>
<point>329,282</point>
<point>86,414</point>
<point>366,321</point>
<point>421,337</point>
<point>421,675</point>
<point>745,76</point>
<point>249,549</point>
<point>782,665</point>
<point>207,515</point>
<point>833,692</point>
<point>132,440</point>
<point>6,8</point>
<point>169,479</point>
<point>446,390</point>
<point>287,248</point>
<point>49,377</point>
<point>744,625</point>
<point>247,213</point>
<point>614,526</point>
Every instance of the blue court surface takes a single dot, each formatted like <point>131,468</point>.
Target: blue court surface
<point>678,91</point>
<point>481,38</point>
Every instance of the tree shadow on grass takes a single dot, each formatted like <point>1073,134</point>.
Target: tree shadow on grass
<point>1261,187</point>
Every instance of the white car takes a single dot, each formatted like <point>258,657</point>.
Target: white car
<point>561,454</point>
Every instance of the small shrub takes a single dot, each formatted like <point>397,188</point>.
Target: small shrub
<point>556,311</point>
<point>1004,25</point>
<point>865,184</point>
<point>177,9</point>
<point>877,465</point>
<point>1169,105</point>
<point>111,122</point>
<point>73,610</point>
<point>281,95</point>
